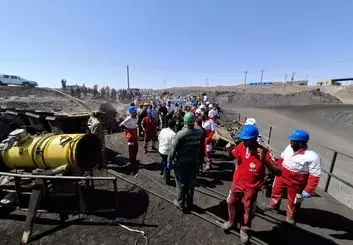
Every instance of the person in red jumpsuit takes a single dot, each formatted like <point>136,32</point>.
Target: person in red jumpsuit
<point>130,127</point>
<point>150,130</point>
<point>300,174</point>
<point>248,178</point>
<point>210,129</point>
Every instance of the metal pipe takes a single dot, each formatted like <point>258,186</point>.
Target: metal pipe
<point>333,161</point>
<point>55,177</point>
<point>269,135</point>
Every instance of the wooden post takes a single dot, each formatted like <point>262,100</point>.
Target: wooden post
<point>32,210</point>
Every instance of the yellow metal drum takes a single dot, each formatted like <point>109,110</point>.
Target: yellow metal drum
<point>51,151</point>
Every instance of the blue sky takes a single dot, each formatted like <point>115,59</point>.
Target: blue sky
<point>180,42</point>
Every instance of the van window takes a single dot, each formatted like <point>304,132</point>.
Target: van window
<point>13,77</point>
<point>6,76</point>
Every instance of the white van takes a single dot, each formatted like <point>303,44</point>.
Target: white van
<point>16,80</point>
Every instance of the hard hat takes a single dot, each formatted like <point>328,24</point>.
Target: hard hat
<point>207,102</point>
<point>146,104</point>
<point>141,104</point>
<point>189,118</point>
<point>250,121</point>
<point>299,135</point>
<point>210,106</point>
<point>212,114</point>
<point>198,111</point>
<point>249,132</point>
<point>149,112</point>
<point>202,107</point>
<point>132,109</point>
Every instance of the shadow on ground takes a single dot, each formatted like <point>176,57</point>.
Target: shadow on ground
<point>331,220</point>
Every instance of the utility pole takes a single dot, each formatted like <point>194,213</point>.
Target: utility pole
<point>262,76</point>
<point>285,81</point>
<point>293,75</point>
<point>246,74</point>
<point>128,76</point>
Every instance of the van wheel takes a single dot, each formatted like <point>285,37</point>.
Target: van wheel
<point>27,85</point>
<point>2,84</point>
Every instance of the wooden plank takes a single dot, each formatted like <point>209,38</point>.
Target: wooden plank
<point>222,133</point>
<point>32,210</point>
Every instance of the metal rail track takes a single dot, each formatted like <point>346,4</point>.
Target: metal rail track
<point>209,217</point>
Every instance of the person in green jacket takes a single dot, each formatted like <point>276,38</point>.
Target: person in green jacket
<point>187,152</point>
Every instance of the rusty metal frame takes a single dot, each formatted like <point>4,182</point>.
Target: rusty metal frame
<point>40,189</point>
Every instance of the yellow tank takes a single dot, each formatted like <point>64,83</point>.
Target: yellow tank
<point>51,151</point>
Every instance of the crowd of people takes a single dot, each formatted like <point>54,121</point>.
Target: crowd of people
<point>105,92</point>
<point>185,145</point>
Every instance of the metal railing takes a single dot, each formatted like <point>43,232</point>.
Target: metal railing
<point>269,139</point>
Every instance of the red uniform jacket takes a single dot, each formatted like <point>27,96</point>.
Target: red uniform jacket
<point>250,171</point>
<point>150,126</point>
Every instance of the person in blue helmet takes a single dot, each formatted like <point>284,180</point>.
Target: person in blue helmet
<point>248,178</point>
<point>130,128</point>
<point>300,174</point>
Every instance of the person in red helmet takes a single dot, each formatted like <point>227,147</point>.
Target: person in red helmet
<point>300,174</point>
<point>210,129</point>
<point>248,178</point>
<point>130,126</point>
<point>150,130</point>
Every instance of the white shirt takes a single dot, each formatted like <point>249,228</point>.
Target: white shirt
<point>304,162</point>
<point>165,138</point>
<point>129,122</point>
<point>209,125</point>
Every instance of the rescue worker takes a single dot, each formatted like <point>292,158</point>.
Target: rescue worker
<point>165,139</point>
<point>96,127</point>
<point>130,127</point>
<point>248,178</point>
<point>210,129</point>
<point>187,152</point>
<point>141,114</point>
<point>252,121</point>
<point>150,130</point>
<point>300,174</point>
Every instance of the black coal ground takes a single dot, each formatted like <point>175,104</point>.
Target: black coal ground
<point>160,220</point>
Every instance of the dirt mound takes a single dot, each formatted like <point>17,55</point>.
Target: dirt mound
<point>7,91</point>
<point>43,99</point>
<point>268,99</point>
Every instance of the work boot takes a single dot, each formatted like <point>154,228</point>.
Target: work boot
<point>178,205</point>
<point>273,208</point>
<point>207,168</point>
<point>290,220</point>
<point>226,226</point>
<point>244,236</point>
